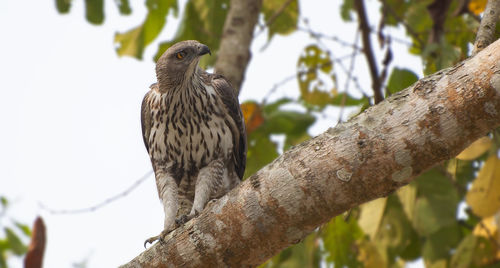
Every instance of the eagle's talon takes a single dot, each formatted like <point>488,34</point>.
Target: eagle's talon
<point>159,237</point>
<point>151,240</point>
<point>181,220</point>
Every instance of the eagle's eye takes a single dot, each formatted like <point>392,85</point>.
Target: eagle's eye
<point>180,55</point>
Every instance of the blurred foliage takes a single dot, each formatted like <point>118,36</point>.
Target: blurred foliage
<point>281,16</point>
<point>133,42</point>
<point>11,241</point>
<point>203,20</point>
<point>420,220</point>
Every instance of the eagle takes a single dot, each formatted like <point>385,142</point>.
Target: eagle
<point>194,132</point>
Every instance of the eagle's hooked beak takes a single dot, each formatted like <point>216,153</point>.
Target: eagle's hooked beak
<point>204,50</point>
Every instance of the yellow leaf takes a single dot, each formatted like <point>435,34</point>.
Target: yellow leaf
<point>407,196</point>
<point>441,263</point>
<point>371,215</point>
<point>484,195</point>
<point>477,6</point>
<point>487,228</point>
<point>476,149</point>
<point>252,115</point>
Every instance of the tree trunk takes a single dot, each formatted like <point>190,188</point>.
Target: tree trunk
<point>368,157</point>
<point>234,51</point>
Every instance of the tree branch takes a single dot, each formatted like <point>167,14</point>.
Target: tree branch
<point>486,32</point>
<point>368,50</point>
<point>234,51</point>
<point>368,157</point>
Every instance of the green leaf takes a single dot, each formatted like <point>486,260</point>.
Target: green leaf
<point>24,228</point>
<point>304,254</point>
<point>400,79</point>
<point>203,20</point>
<point>440,244</point>
<point>462,173</point>
<point>133,42</point>
<point>3,261</point>
<point>344,99</point>
<point>281,21</point>
<point>339,237</point>
<point>345,10</point>
<point>396,233</point>
<point>63,6</point>
<point>274,106</point>
<point>123,7</point>
<point>291,123</point>
<point>288,122</point>
<point>94,11</point>
<point>370,255</point>
<point>436,204</point>
<point>465,252</point>
<point>4,201</point>
<point>292,140</point>
<point>474,251</point>
<point>312,87</point>
<point>417,16</point>
<point>398,7</point>
<point>17,247</point>
<point>440,55</point>
<point>261,151</point>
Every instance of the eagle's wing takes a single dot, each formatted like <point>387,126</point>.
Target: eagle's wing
<point>146,118</point>
<point>230,100</point>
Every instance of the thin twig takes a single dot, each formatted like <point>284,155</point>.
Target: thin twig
<point>368,51</point>
<point>339,62</point>
<point>387,61</point>
<point>101,204</point>
<point>317,35</point>
<point>486,31</point>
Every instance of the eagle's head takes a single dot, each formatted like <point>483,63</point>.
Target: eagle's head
<point>179,63</point>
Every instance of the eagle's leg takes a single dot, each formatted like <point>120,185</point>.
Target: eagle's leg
<point>168,191</point>
<point>208,183</point>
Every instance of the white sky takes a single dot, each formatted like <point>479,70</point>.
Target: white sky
<point>69,110</point>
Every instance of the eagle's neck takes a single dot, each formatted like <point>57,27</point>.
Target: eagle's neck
<point>191,97</point>
<point>175,84</point>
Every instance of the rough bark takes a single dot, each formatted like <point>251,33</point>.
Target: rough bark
<point>368,157</point>
<point>234,52</point>
<point>486,31</point>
